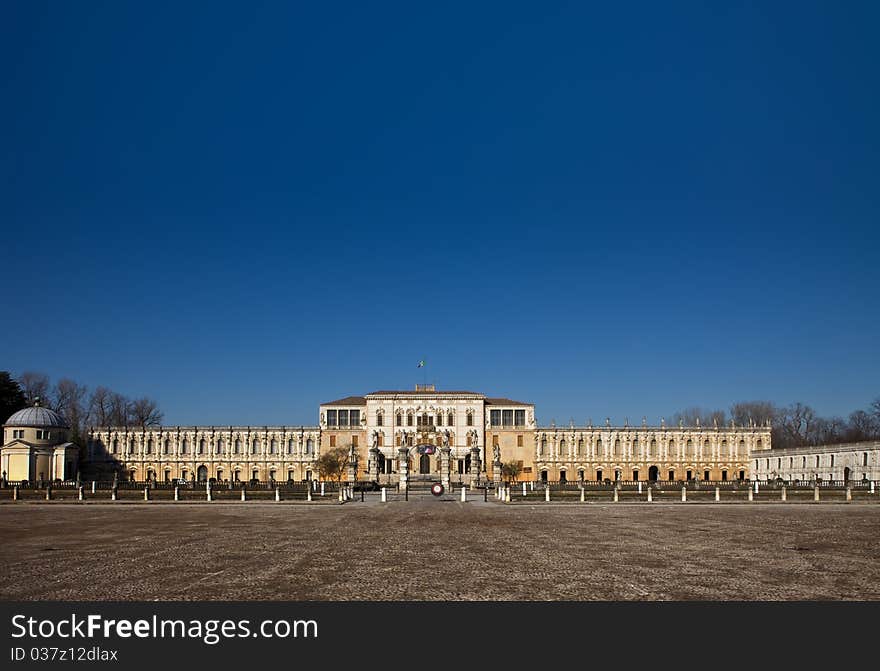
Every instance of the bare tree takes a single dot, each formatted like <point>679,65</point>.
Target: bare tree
<point>695,415</point>
<point>69,401</point>
<point>760,413</point>
<point>144,412</point>
<point>120,410</point>
<point>34,385</point>
<point>796,424</point>
<point>862,426</point>
<point>100,407</point>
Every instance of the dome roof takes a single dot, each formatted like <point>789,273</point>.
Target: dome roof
<point>37,416</point>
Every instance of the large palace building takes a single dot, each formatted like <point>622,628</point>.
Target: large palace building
<point>395,436</point>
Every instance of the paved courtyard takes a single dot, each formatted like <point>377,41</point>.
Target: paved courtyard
<point>438,550</point>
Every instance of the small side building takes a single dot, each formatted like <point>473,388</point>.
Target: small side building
<point>35,447</point>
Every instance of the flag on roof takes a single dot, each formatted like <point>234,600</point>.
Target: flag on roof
<point>421,364</point>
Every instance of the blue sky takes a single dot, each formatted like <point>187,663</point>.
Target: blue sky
<point>619,209</point>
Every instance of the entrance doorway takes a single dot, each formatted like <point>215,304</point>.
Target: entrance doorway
<point>202,473</point>
<point>653,473</point>
<point>424,464</point>
<point>846,474</point>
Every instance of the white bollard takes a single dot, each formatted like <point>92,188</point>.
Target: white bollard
<point>309,493</point>
<point>684,494</point>
<point>616,497</point>
<point>717,493</point>
<point>463,494</point>
<point>146,493</point>
<point>751,495</point>
<point>176,494</point>
<point>756,486</point>
<point>243,495</point>
<point>322,488</point>
<point>583,497</point>
<point>277,494</point>
<point>640,487</point>
<point>849,493</point>
<point>384,496</point>
<point>524,488</point>
<point>784,494</point>
<point>531,485</point>
<point>650,499</point>
<point>872,486</point>
<point>94,486</point>
<point>816,493</point>
<point>81,496</point>
<point>546,493</point>
<point>113,494</point>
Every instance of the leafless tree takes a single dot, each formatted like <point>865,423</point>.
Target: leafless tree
<point>144,412</point>
<point>690,417</point>
<point>796,424</point>
<point>120,410</point>
<point>100,407</point>
<point>69,400</point>
<point>34,385</point>
<point>757,412</point>
<point>862,426</point>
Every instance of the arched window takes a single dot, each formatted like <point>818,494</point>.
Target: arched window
<point>272,446</point>
<point>166,446</point>
<point>706,449</point>
<point>742,447</point>
<point>202,446</point>
<point>470,417</point>
<point>541,451</point>
<point>864,459</point>
<point>758,444</point>
<point>599,448</point>
<point>236,446</point>
<point>310,446</point>
<point>409,418</point>
<point>219,446</point>
<point>255,446</point>
<point>290,447</point>
<point>671,448</point>
<point>690,448</point>
<point>399,419</point>
<point>617,447</point>
<point>183,446</point>
<point>581,452</point>
<point>450,419</point>
<point>652,448</point>
<point>380,417</point>
<point>150,446</point>
<point>635,448</point>
<point>130,446</point>
<point>115,446</point>
<point>562,446</point>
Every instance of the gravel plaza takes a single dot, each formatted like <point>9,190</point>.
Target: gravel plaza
<point>438,549</point>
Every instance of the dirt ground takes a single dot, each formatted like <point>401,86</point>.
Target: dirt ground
<point>439,550</point>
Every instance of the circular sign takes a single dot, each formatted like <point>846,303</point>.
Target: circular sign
<point>437,489</point>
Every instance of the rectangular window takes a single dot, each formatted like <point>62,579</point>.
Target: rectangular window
<point>354,441</point>
<point>399,420</point>
<point>343,418</point>
<point>519,417</point>
<point>378,419</point>
<point>507,417</point>
<point>519,441</point>
<point>470,419</point>
<point>495,440</point>
<point>331,418</point>
<point>332,441</point>
<point>495,417</point>
<point>354,417</point>
<point>440,419</point>
<point>409,420</point>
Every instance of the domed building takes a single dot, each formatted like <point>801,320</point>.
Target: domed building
<point>35,446</point>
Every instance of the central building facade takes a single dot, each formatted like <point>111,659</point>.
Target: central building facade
<point>426,433</point>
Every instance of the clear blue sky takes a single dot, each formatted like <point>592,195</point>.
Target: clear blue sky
<point>608,209</point>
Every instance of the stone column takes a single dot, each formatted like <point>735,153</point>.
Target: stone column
<point>374,463</point>
<point>445,466</point>
<point>403,467</point>
<point>476,464</point>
